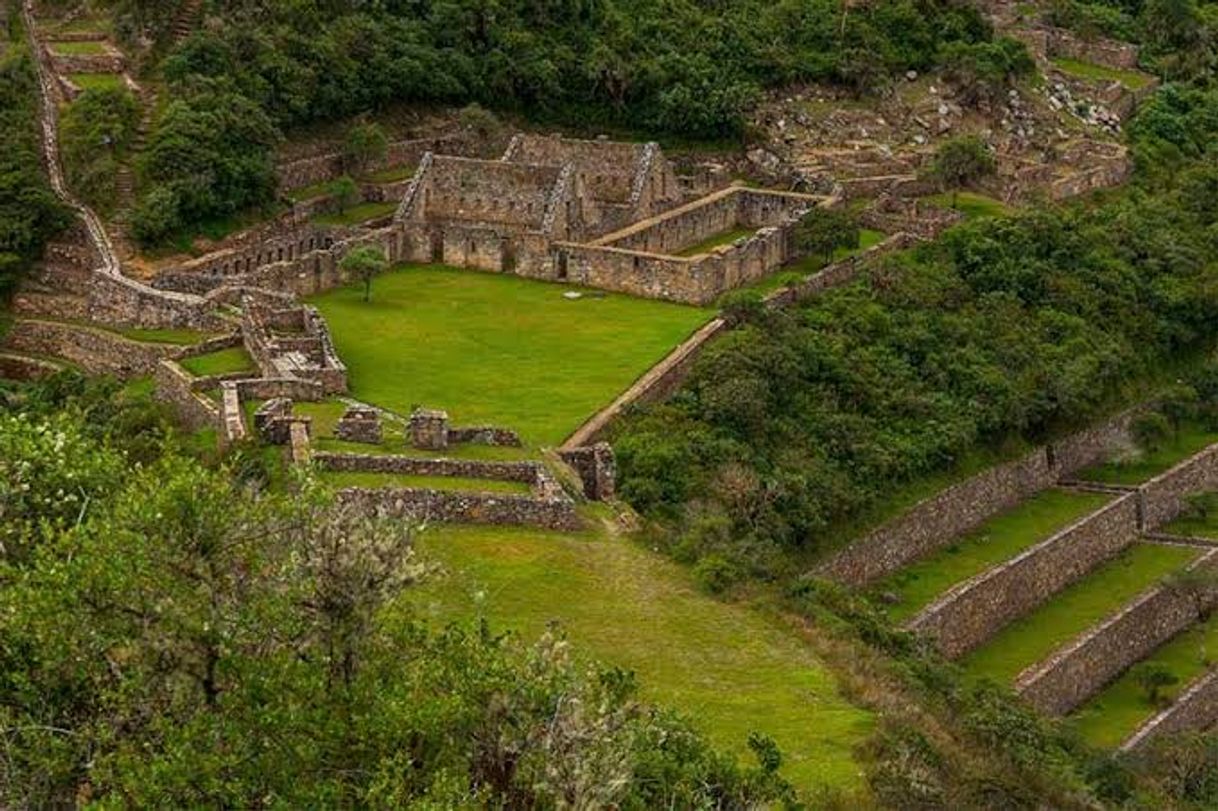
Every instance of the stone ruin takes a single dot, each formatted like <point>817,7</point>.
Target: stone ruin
<point>597,469</point>
<point>360,423</point>
<point>291,341</point>
<point>429,429</point>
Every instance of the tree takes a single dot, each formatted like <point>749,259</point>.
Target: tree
<point>365,146</point>
<point>365,263</point>
<point>346,192</point>
<point>961,162</point>
<point>983,71</point>
<point>1153,677</point>
<point>1150,430</point>
<point>825,230</point>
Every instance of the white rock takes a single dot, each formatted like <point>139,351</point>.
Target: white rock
<point>572,295</point>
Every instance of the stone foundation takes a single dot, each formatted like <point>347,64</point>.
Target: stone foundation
<point>360,424</point>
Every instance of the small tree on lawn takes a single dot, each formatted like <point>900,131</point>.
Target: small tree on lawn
<point>366,145</point>
<point>825,230</point>
<point>365,263</point>
<point>1152,677</point>
<point>346,192</point>
<point>961,162</point>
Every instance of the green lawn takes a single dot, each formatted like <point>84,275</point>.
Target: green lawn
<point>391,174</point>
<point>1145,465</point>
<point>97,81</point>
<point>302,193</point>
<point>224,361</point>
<point>1113,715</point>
<point>727,667</point>
<point>377,480</point>
<point>999,539</point>
<point>1037,635</point>
<point>722,238</point>
<point>1132,79</point>
<point>181,337</point>
<point>357,214</point>
<point>89,48</point>
<point>495,349</point>
<point>1194,526</point>
<point>971,204</point>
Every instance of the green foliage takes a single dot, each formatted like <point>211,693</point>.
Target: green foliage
<point>1152,677</point>
<point>1150,430</point>
<point>826,230</point>
<point>961,162</point>
<point>365,146</point>
<point>30,214</point>
<point>346,192</point>
<point>984,71</point>
<point>365,263</point>
<point>95,134</point>
<point>188,641</point>
<point>1185,768</point>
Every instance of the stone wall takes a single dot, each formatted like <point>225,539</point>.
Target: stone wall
<point>533,474</point>
<point>839,273</point>
<point>174,385</point>
<point>94,350</point>
<point>1081,669</point>
<point>329,166</point>
<point>480,191</point>
<point>1195,710</point>
<point>935,522</point>
<point>464,508</point>
<point>109,62</point>
<point>484,435</point>
<point>1163,496</point>
<point>597,469</point>
<point>1107,52</point>
<point>267,388</point>
<point>972,612</point>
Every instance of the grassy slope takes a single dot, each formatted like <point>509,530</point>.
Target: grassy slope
<point>357,214</point>
<point>1148,464</point>
<point>971,204</point>
<point>727,667</point>
<point>999,539</point>
<point>1036,635</point>
<point>499,350</point>
<point>1132,79</point>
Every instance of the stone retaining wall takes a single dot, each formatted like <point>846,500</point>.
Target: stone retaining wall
<point>464,508</point>
<point>1081,669</point>
<point>1196,709</point>
<point>530,473</point>
<point>935,522</point>
<point>19,367</point>
<point>174,385</point>
<point>329,166</point>
<point>1163,496</point>
<point>94,350</point>
<point>839,273</point>
<point>972,612</point>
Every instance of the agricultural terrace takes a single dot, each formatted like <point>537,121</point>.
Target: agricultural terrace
<point>496,349</point>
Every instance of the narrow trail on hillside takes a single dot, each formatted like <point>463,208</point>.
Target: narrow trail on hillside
<point>49,119</point>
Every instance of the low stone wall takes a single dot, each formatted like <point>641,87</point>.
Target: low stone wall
<point>329,166</point>
<point>267,388</point>
<point>484,435</point>
<point>597,469</point>
<point>94,350</point>
<point>1163,496</point>
<point>530,473</point>
<point>1081,669</point>
<point>1107,52</point>
<point>464,508</point>
<point>174,385</point>
<point>1195,710</point>
<point>110,62</point>
<point>18,367</point>
<point>839,273</point>
<point>972,612</point>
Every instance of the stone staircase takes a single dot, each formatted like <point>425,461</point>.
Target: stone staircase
<point>187,20</point>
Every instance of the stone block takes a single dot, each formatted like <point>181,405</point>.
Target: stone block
<point>429,429</point>
<point>360,424</point>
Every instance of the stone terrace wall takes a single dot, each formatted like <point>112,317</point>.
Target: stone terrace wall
<point>94,350</point>
<point>329,166</point>
<point>1163,496</point>
<point>110,62</point>
<point>1081,669</point>
<point>934,522</point>
<point>1108,52</point>
<point>971,613</point>
<point>469,190</point>
<point>174,385</point>
<point>530,473</point>
<point>464,508</point>
<point>1196,709</point>
<point>839,273</point>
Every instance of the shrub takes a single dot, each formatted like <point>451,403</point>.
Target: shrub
<point>1150,430</point>
<point>716,573</point>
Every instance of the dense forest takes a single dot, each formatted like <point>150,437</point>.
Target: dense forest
<point>1003,328</point>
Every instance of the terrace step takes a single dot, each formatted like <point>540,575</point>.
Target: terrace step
<point>187,19</point>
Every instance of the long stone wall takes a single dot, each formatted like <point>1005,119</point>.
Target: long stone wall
<point>94,350</point>
<point>329,166</point>
<point>530,473</point>
<point>839,273</point>
<point>972,612</point>
<point>175,386</point>
<point>1196,709</point>
<point>935,522</point>
<point>1081,669</point>
<point>464,508</point>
